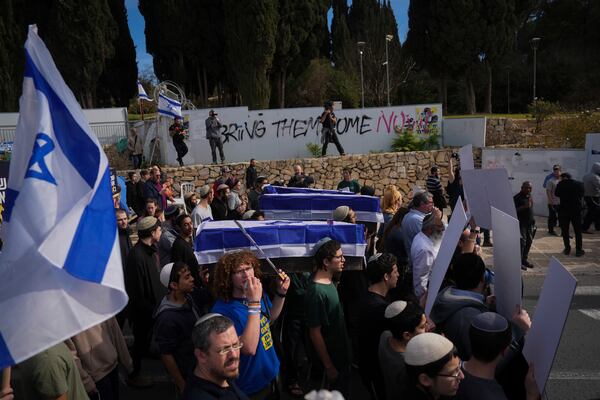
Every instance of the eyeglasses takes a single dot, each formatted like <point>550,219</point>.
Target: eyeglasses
<point>340,257</point>
<point>229,349</point>
<point>456,375</point>
<point>243,270</point>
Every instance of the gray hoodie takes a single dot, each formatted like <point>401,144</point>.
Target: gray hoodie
<point>591,182</point>
<point>452,313</point>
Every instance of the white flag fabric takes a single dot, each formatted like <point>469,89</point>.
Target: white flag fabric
<point>142,93</point>
<point>60,268</point>
<point>168,107</point>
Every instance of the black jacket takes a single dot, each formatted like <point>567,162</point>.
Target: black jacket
<point>570,193</point>
<point>142,280</point>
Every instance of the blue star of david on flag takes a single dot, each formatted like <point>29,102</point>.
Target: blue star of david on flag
<point>37,167</point>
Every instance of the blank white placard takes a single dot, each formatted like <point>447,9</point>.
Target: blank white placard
<point>466,157</point>
<point>541,342</point>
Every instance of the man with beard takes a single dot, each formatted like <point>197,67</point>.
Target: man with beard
<point>126,246</point>
<point>168,235</point>
<point>219,207</point>
<point>145,292</point>
<point>256,192</point>
<point>217,352</point>
<point>424,249</point>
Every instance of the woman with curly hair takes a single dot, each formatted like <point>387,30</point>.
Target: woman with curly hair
<point>239,296</point>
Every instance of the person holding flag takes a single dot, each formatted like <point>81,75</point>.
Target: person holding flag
<point>60,268</point>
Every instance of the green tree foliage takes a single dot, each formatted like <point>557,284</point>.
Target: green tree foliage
<point>321,82</point>
<point>250,29</point>
<point>297,19</point>
<point>117,84</point>
<point>12,36</point>
<point>80,37</point>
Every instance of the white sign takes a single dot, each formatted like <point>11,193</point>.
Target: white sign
<point>534,165</point>
<point>542,340</point>
<point>455,228</point>
<point>466,157</point>
<point>487,188</point>
<point>507,263</point>
<point>285,133</point>
<point>592,148</point>
<point>465,130</point>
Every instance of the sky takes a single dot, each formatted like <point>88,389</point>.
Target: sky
<point>144,60</point>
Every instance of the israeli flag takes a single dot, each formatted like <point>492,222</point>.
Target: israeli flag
<point>142,93</point>
<point>60,269</point>
<point>318,206</point>
<point>168,107</point>
<point>276,238</point>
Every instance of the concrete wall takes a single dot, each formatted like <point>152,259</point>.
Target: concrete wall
<point>284,133</point>
<point>377,170</point>
<point>463,131</point>
<point>534,165</point>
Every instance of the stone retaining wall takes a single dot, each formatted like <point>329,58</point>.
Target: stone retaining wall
<point>377,169</point>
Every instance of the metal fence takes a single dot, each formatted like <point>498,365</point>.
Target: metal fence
<point>107,133</point>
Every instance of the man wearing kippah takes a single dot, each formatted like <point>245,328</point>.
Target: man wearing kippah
<point>203,211</point>
<point>325,317</point>
<point>490,336</point>
<point>433,367</point>
<point>145,292</point>
<point>174,321</point>
<point>424,250</point>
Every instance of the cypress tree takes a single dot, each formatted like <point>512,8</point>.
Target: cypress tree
<point>250,29</point>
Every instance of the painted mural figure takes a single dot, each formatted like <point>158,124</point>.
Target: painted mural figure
<point>328,133</point>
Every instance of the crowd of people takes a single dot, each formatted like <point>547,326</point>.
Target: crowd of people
<point>232,332</point>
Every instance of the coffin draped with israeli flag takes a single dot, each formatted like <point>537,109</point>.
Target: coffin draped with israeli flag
<point>319,206</point>
<point>271,189</point>
<point>289,244</point>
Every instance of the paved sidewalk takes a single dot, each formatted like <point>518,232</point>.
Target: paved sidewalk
<point>546,246</point>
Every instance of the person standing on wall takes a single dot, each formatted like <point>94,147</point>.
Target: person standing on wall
<point>177,132</point>
<point>328,133</point>
<point>214,136</point>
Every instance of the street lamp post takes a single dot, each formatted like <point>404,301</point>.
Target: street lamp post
<point>508,89</point>
<point>361,47</point>
<point>534,43</point>
<point>388,38</point>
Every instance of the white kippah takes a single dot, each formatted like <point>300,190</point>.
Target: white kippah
<point>340,213</point>
<point>165,274</point>
<point>426,348</point>
<point>395,308</point>
<point>324,395</point>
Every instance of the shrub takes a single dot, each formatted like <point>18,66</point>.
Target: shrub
<point>541,110</point>
<point>314,149</point>
<point>573,130</point>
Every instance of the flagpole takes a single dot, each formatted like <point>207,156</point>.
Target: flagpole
<point>141,109</point>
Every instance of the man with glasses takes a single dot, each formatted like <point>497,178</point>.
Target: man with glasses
<point>239,296</point>
<point>433,367</point>
<point>217,353</point>
<point>325,317</point>
<point>424,250</point>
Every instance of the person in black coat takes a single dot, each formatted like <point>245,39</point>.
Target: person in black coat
<point>570,193</point>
